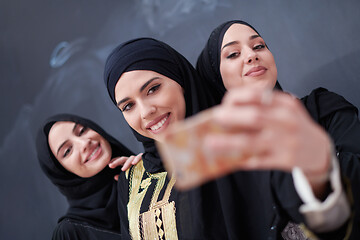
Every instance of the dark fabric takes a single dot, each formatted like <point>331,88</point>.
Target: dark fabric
<point>91,200</point>
<point>154,55</point>
<point>79,230</point>
<point>208,63</point>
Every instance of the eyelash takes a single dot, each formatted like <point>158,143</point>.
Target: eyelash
<point>236,54</point>
<point>259,46</point>
<point>125,108</point>
<point>67,151</point>
<point>233,55</point>
<point>82,130</point>
<point>151,90</point>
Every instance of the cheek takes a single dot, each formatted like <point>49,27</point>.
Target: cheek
<point>108,151</point>
<point>180,104</point>
<point>229,73</point>
<point>128,119</point>
<point>273,70</point>
<point>133,120</point>
<point>71,164</point>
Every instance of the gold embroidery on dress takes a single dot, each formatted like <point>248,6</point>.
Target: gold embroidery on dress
<point>159,221</point>
<point>136,197</point>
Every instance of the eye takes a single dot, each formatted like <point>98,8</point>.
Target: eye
<point>127,107</point>
<point>233,55</point>
<point>67,151</point>
<point>82,130</point>
<point>259,46</point>
<point>153,89</point>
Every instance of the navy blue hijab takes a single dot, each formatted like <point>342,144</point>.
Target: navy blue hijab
<point>92,200</point>
<point>154,55</point>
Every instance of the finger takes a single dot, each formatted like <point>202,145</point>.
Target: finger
<point>256,96</point>
<point>137,159</point>
<point>116,177</point>
<point>115,162</point>
<point>289,116</point>
<point>263,162</point>
<point>239,117</point>
<point>230,144</point>
<point>247,95</point>
<point>127,164</point>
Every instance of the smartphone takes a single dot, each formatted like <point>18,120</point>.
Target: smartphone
<point>183,153</point>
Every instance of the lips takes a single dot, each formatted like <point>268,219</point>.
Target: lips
<point>94,153</point>
<point>256,71</point>
<point>159,123</point>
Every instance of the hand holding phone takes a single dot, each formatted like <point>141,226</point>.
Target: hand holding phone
<point>183,153</point>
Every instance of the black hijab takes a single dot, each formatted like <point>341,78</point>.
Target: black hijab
<point>319,102</point>
<point>154,55</point>
<point>92,200</point>
<point>208,63</point>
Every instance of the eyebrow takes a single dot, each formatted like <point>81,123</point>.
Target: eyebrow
<point>141,89</point>
<point>73,130</point>
<point>236,42</point>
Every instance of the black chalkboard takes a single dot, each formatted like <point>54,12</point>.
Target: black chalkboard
<point>53,52</point>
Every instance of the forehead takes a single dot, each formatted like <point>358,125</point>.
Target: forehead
<point>133,80</point>
<point>238,32</point>
<point>59,132</point>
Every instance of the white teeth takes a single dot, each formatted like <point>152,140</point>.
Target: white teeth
<point>159,124</point>
<point>92,154</point>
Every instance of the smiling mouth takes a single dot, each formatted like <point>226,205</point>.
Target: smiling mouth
<point>94,154</point>
<point>157,127</point>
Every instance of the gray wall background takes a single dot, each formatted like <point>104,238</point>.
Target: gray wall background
<point>52,55</point>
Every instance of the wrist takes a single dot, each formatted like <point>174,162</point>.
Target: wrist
<point>321,175</point>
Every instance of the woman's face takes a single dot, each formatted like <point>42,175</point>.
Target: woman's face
<point>79,149</point>
<point>149,101</point>
<point>245,59</point>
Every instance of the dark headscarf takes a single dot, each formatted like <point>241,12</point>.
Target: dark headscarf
<point>92,200</point>
<point>154,55</point>
<point>208,63</point>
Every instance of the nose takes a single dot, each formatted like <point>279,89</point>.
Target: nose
<point>146,110</point>
<point>251,56</point>
<point>84,144</point>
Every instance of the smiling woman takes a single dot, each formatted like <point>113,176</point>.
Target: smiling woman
<point>155,102</point>
<point>149,82</point>
<point>241,51</point>
<point>74,153</point>
<point>79,149</point>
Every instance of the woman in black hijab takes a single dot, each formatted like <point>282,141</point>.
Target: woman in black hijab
<point>335,115</point>
<point>92,213</point>
<point>159,70</point>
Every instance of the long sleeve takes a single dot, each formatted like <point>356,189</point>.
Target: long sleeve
<point>327,215</point>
